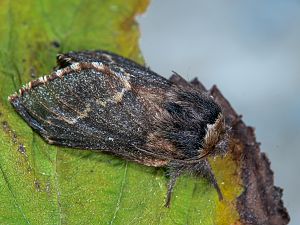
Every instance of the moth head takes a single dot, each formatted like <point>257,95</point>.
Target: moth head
<point>215,141</point>
<point>194,124</point>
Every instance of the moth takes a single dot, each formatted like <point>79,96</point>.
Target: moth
<point>101,101</point>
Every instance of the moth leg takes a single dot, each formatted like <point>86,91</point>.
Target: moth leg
<point>208,173</point>
<point>175,172</point>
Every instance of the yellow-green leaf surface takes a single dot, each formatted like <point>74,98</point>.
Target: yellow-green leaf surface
<point>44,184</point>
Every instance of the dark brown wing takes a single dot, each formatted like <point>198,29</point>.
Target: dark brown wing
<point>141,75</point>
<point>95,105</point>
<point>96,56</point>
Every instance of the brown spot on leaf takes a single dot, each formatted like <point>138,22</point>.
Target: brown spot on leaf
<point>33,72</point>
<point>6,128</point>
<point>48,187</point>
<point>55,44</point>
<point>22,149</point>
<point>37,185</point>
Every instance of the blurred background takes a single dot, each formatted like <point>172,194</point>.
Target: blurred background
<point>251,50</point>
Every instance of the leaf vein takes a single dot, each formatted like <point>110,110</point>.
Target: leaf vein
<point>18,206</point>
<point>120,195</point>
<point>57,190</point>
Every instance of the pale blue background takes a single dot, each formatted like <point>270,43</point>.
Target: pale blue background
<point>251,50</point>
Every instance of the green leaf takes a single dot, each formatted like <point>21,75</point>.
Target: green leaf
<point>44,184</point>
